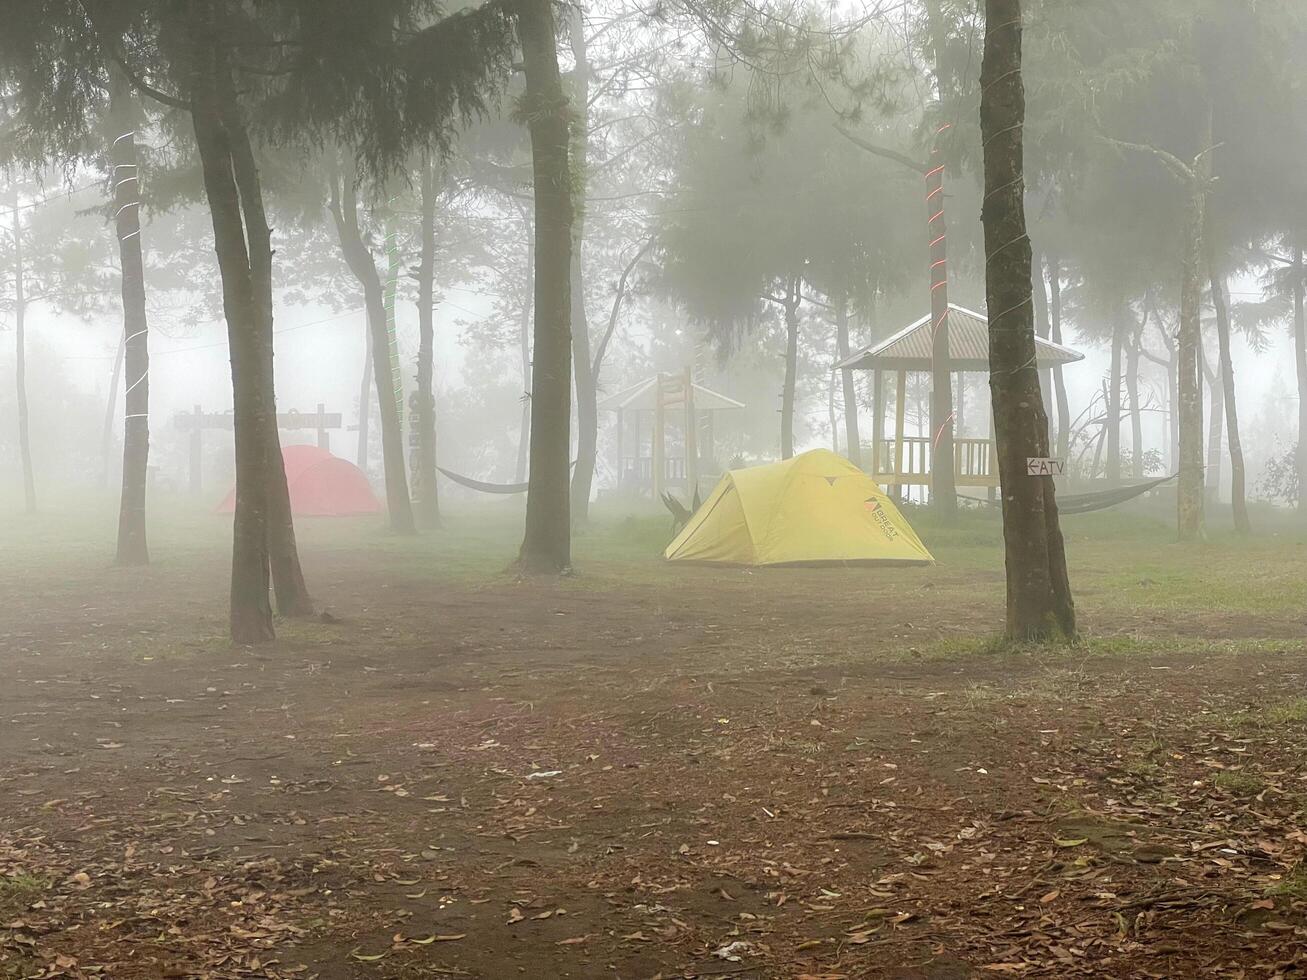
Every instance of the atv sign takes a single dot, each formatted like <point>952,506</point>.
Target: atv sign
<point>1045,466</point>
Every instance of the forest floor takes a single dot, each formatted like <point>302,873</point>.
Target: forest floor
<point>647,770</point>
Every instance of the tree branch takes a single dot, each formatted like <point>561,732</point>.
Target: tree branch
<point>884,151</point>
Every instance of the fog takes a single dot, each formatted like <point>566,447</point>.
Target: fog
<point>706,488</point>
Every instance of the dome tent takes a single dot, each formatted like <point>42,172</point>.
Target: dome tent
<point>817,508</point>
<point>321,485</point>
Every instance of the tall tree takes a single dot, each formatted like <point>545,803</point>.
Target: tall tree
<point>133,548</point>
<point>1039,603</point>
<point>358,256</point>
<point>21,302</point>
<point>1238,479</point>
<point>547,543</point>
<point>427,502</point>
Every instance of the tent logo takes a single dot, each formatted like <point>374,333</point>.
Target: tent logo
<point>882,520</point>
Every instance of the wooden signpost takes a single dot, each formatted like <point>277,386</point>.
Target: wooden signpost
<point>198,420</point>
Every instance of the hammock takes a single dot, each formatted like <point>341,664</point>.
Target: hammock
<point>472,484</point>
<point>482,487</point>
<point>1084,503</point>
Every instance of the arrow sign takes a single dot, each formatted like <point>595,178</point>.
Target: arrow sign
<point>1045,466</point>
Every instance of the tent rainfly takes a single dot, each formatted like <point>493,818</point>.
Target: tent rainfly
<point>320,485</point>
<point>817,508</point>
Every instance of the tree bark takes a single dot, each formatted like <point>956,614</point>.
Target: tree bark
<point>1300,360</point>
<point>524,345</point>
<point>251,611</point>
<point>111,414</point>
<point>547,541</point>
<point>20,366</point>
<point>943,483</point>
<point>1059,382</point>
<point>1039,603</point>
<point>1136,414</point>
<point>1114,400</point>
<point>1238,477</point>
<point>133,548</point>
<point>1189,507</point>
<point>1215,419</point>
<point>850,388</point>
<point>288,583</point>
<point>793,290</point>
<point>365,393</point>
<point>425,489</point>
<point>1043,328</point>
<point>344,211</point>
<point>587,395</point>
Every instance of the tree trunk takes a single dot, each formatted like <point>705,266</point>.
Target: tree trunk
<point>793,290</point>
<point>132,545</point>
<point>424,476</point>
<point>943,484</point>
<point>365,393</point>
<point>1114,401</point>
<point>283,551</point>
<point>1136,413</point>
<point>853,437</point>
<point>1039,601</point>
<point>587,395</point>
<point>524,345</point>
<point>1043,328</point>
<point>1300,359</point>
<point>1059,382</point>
<point>1189,508</point>
<point>251,611</point>
<point>111,414</point>
<point>344,211</point>
<point>1238,489</point>
<point>1215,418</point>
<point>20,366</point>
<point>547,542</point>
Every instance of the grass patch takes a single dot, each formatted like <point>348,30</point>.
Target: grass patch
<point>1290,712</point>
<point>1293,885</point>
<point>19,891</point>
<point>1238,783</point>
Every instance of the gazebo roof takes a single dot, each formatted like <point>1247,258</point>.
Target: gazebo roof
<point>968,343</point>
<point>642,397</point>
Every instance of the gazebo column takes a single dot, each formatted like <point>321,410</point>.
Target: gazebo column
<point>710,438</point>
<point>691,438</point>
<point>877,419</point>
<point>659,437</point>
<point>900,410</point>
<point>620,460</point>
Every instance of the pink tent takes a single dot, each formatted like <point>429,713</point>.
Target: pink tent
<point>321,485</point>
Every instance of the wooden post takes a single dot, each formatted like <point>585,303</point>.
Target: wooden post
<point>900,409</point>
<point>691,438</point>
<point>197,448</point>
<point>659,447</point>
<point>710,440</point>
<point>621,473</point>
<point>324,437</point>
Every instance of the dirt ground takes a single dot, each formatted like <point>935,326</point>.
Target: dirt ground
<point>682,773</point>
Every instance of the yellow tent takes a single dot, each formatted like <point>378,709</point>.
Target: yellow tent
<point>817,507</point>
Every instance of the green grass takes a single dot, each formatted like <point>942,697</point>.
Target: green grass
<point>17,892</point>
<point>1238,783</point>
<point>1293,885</point>
<point>1124,565</point>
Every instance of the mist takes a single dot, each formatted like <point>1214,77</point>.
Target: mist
<point>615,490</point>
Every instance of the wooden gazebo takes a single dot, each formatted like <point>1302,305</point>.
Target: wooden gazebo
<point>904,460</point>
<point>674,405</point>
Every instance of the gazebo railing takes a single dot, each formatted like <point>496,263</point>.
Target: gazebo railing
<point>973,462</point>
